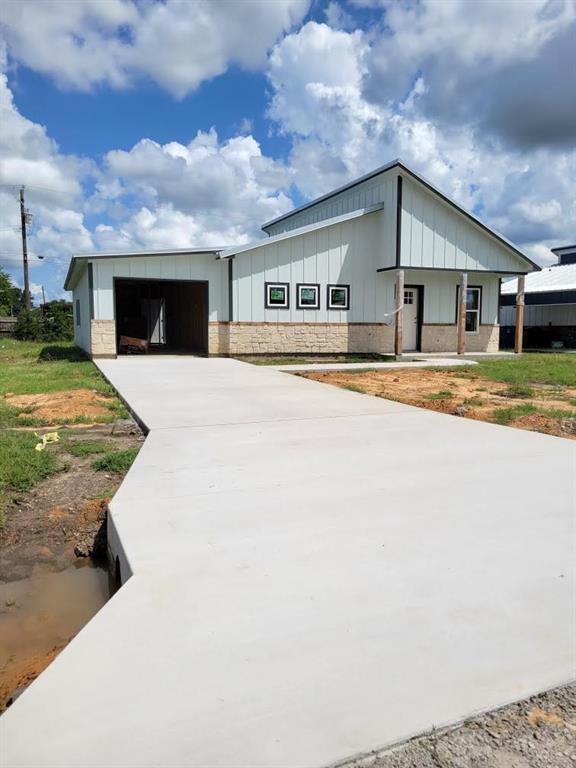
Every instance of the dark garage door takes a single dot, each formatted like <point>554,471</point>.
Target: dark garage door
<point>171,315</point>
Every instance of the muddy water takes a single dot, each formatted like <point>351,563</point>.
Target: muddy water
<point>40,615</point>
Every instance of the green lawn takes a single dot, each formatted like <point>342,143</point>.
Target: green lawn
<point>530,368</point>
<point>32,368</point>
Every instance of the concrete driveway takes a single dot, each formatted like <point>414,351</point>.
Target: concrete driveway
<point>317,574</point>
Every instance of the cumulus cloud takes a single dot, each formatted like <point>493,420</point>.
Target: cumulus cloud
<point>502,68</point>
<point>204,192</point>
<point>321,79</point>
<point>176,43</point>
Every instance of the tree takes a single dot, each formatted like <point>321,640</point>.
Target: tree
<point>11,297</point>
<point>57,321</point>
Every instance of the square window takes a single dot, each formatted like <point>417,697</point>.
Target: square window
<point>338,297</point>
<point>308,296</point>
<point>277,295</point>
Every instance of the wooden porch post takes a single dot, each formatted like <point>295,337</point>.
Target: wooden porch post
<point>398,326</point>
<point>519,315</point>
<point>462,313</point>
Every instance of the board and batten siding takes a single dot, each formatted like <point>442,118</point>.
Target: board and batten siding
<point>440,295</point>
<point>380,189</point>
<point>81,300</point>
<point>193,266</point>
<point>344,253</point>
<point>436,236</point>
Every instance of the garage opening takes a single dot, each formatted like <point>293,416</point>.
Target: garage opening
<point>162,315</point>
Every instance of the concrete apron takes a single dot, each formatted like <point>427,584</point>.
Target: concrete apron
<point>317,574</point>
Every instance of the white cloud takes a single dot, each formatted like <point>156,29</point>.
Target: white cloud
<point>203,192</point>
<point>319,77</point>
<point>176,43</point>
<point>502,68</point>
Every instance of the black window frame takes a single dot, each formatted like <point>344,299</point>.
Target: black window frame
<point>267,287</point>
<point>299,305</point>
<point>328,302</point>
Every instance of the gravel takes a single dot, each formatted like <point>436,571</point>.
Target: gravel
<point>539,732</point>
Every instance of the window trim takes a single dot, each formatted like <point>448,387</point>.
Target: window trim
<point>299,304</point>
<point>329,304</point>
<point>478,311</point>
<point>267,287</point>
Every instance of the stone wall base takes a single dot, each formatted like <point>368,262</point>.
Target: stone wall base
<point>331,338</point>
<point>299,338</point>
<point>310,338</point>
<point>103,338</point>
<point>444,338</point>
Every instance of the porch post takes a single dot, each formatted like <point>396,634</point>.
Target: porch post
<point>398,326</point>
<point>461,314</point>
<point>519,315</point>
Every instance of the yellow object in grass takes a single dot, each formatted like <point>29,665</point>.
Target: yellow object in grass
<point>49,437</point>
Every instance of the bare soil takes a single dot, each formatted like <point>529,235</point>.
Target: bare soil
<point>473,398</point>
<point>49,587</point>
<point>539,732</point>
<point>45,524</point>
<point>67,405</point>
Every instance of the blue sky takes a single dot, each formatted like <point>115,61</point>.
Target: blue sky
<point>189,122</point>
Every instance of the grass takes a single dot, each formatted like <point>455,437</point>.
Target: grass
<point>508,415</point>
<point>519,391</point>
<point>530,368</point>
<point>116,461</point>
<point>21,466</point>
<point>30,368</point>
<point>87,447</point>
<point>444,394</point>
<point>318,358</point>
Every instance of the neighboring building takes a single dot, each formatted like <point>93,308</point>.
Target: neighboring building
<point>333,276</point>
<point>550,305</point>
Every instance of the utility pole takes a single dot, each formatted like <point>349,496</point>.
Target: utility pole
<point>23,220</point>
<point>43,301</point>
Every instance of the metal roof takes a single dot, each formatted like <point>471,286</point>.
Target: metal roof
<point>555,278</point>
<point>79,258</point>
<point>418,177</point>
<point>301,230</point>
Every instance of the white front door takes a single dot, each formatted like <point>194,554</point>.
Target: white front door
<point>410,319</point>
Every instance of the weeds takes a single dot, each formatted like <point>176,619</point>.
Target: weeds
<point>87,448</point>
<point>444,394</point>
<point>116,461</point>
<point>508,415</point>
<point>21,466</point>
<point>517,391</point>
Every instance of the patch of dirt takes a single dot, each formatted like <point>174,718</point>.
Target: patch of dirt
<point>19,674</point>
<point>539,732</point>
<point>68,404</point>
<point>64,512</point>
<point>472,397</point>
<point>49,588</point>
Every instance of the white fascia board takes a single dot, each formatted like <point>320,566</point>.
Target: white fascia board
<point>79,258</point>
<point>301,231</point>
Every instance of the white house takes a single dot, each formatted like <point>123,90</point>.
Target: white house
<point>386,263</point>
<point>550,304</point>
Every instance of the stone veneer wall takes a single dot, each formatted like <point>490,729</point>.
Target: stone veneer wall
<point>444,338</point>
<point>310,338</point>
<point>299,338</point>
<point>103,338</point>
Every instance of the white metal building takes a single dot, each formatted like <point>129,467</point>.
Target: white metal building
<point>385,263</point>
<point>550,304</point>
